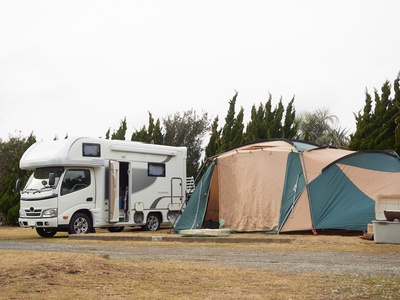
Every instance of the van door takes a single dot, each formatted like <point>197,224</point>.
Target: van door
<point>114,192</point>
<point>77,190</point>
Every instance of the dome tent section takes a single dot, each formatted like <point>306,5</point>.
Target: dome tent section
<point>344,195</point>
<point>193,215</point>
<point>280,185</point>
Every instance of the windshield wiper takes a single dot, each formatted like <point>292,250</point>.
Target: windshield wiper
<point>27,191</point>
<point>40,190</point>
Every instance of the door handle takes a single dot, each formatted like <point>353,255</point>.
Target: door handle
<point>89,199</point>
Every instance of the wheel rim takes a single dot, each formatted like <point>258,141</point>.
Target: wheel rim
<point>152,223</point>
<point>81,225</point>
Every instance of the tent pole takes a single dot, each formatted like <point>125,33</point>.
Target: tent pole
<point>294,201</point>
<point>308,192</point>
<point>198,205</point>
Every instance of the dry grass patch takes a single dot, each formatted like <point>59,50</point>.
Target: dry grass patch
<point>32,275</point>
<point>49,275</point>
<point>299,243</point>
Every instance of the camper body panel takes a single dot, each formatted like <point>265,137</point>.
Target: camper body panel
<point>115,183</point>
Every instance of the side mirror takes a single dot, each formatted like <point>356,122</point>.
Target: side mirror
<point>18,185</point>
<point>52,179</point>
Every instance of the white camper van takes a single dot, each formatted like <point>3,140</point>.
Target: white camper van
<point>79,184</point>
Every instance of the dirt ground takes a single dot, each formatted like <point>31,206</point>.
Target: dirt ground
<point>240,266</point>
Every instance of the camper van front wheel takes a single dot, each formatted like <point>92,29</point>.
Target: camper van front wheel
<point>153,222</point>
<point>46,232</point>
<point>80,224</point>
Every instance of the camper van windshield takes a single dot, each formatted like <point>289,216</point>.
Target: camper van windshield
<point>39,180</point>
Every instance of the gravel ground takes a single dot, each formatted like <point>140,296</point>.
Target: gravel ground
<point>283,261</point>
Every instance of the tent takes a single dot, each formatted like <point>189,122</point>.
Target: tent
<point>284,185</point>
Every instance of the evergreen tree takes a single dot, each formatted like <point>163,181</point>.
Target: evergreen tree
<point>364,126</point>
<point>152,134</point>
<point>255,129</point>
<point>386,112</point>
<point>396,87</point>
<point>144,134</point>
<point>289,126</point>
<point>265,123</point>
<point>141,136</point>
<point>214,142</point>
<point>232,132</point>
<point>226,138</point>
<point>237,129</point>
<point>275,129</point>
<point>157,136</point>
<point>268,118</point>
<point>10,155</point>
<point>108,134</point>
<point>377,128</point>
<point>120,134</point>
<point>187,130</point>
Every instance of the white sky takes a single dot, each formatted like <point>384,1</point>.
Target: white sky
<point>80,67</point>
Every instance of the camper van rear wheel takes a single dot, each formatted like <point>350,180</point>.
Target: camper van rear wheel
<point>80,224</point>
<point>153,222</point>
<point>115,229</point>
<point>46,232</point>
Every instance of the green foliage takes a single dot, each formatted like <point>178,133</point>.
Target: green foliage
<point>378,126</point>
<point>108,134</point>
<point>120,134</point>
<point>289,129</point>
<point>152,134</point>
<point>237,137</point>
<point>264,123</point>
<point>321,127</point>
<point>227,131</point>
<point>256,129</point>
<point>275,129</point>
<point>179,130</point>
<point>215,139</point>
<point>187,130</point>
<point>10,155</point>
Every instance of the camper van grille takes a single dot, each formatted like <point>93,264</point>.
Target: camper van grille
<point>33,213</point>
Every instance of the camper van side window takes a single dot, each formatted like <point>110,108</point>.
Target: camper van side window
<point>75,180</point>
<point>92,150</point>
<point>156,170</point>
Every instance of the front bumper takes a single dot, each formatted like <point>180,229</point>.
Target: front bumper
<point>40,222</point>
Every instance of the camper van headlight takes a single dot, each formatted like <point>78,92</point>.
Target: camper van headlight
<point>49,213</point>
<point>22,213</point>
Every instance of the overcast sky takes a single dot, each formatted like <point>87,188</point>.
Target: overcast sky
<point>80,67</point>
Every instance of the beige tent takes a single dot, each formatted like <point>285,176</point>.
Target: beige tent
<point>282,185</point>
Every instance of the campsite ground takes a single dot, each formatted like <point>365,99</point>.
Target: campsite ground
<point>154,265</point>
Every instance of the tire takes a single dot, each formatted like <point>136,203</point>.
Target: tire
<point>115,229</point>
<point>46,232</point>
<point>80,224</point>
<point>153,222</point>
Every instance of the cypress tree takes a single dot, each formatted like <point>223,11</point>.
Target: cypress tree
<point>215,139</point>
<point>237,137</point>
<point>289,129</point>
<point>275,128</point>
<point>255,129</point>
<point>268,118</point>
<point>378,128</point>
<point>226,138</point>
<point>120,134</point>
